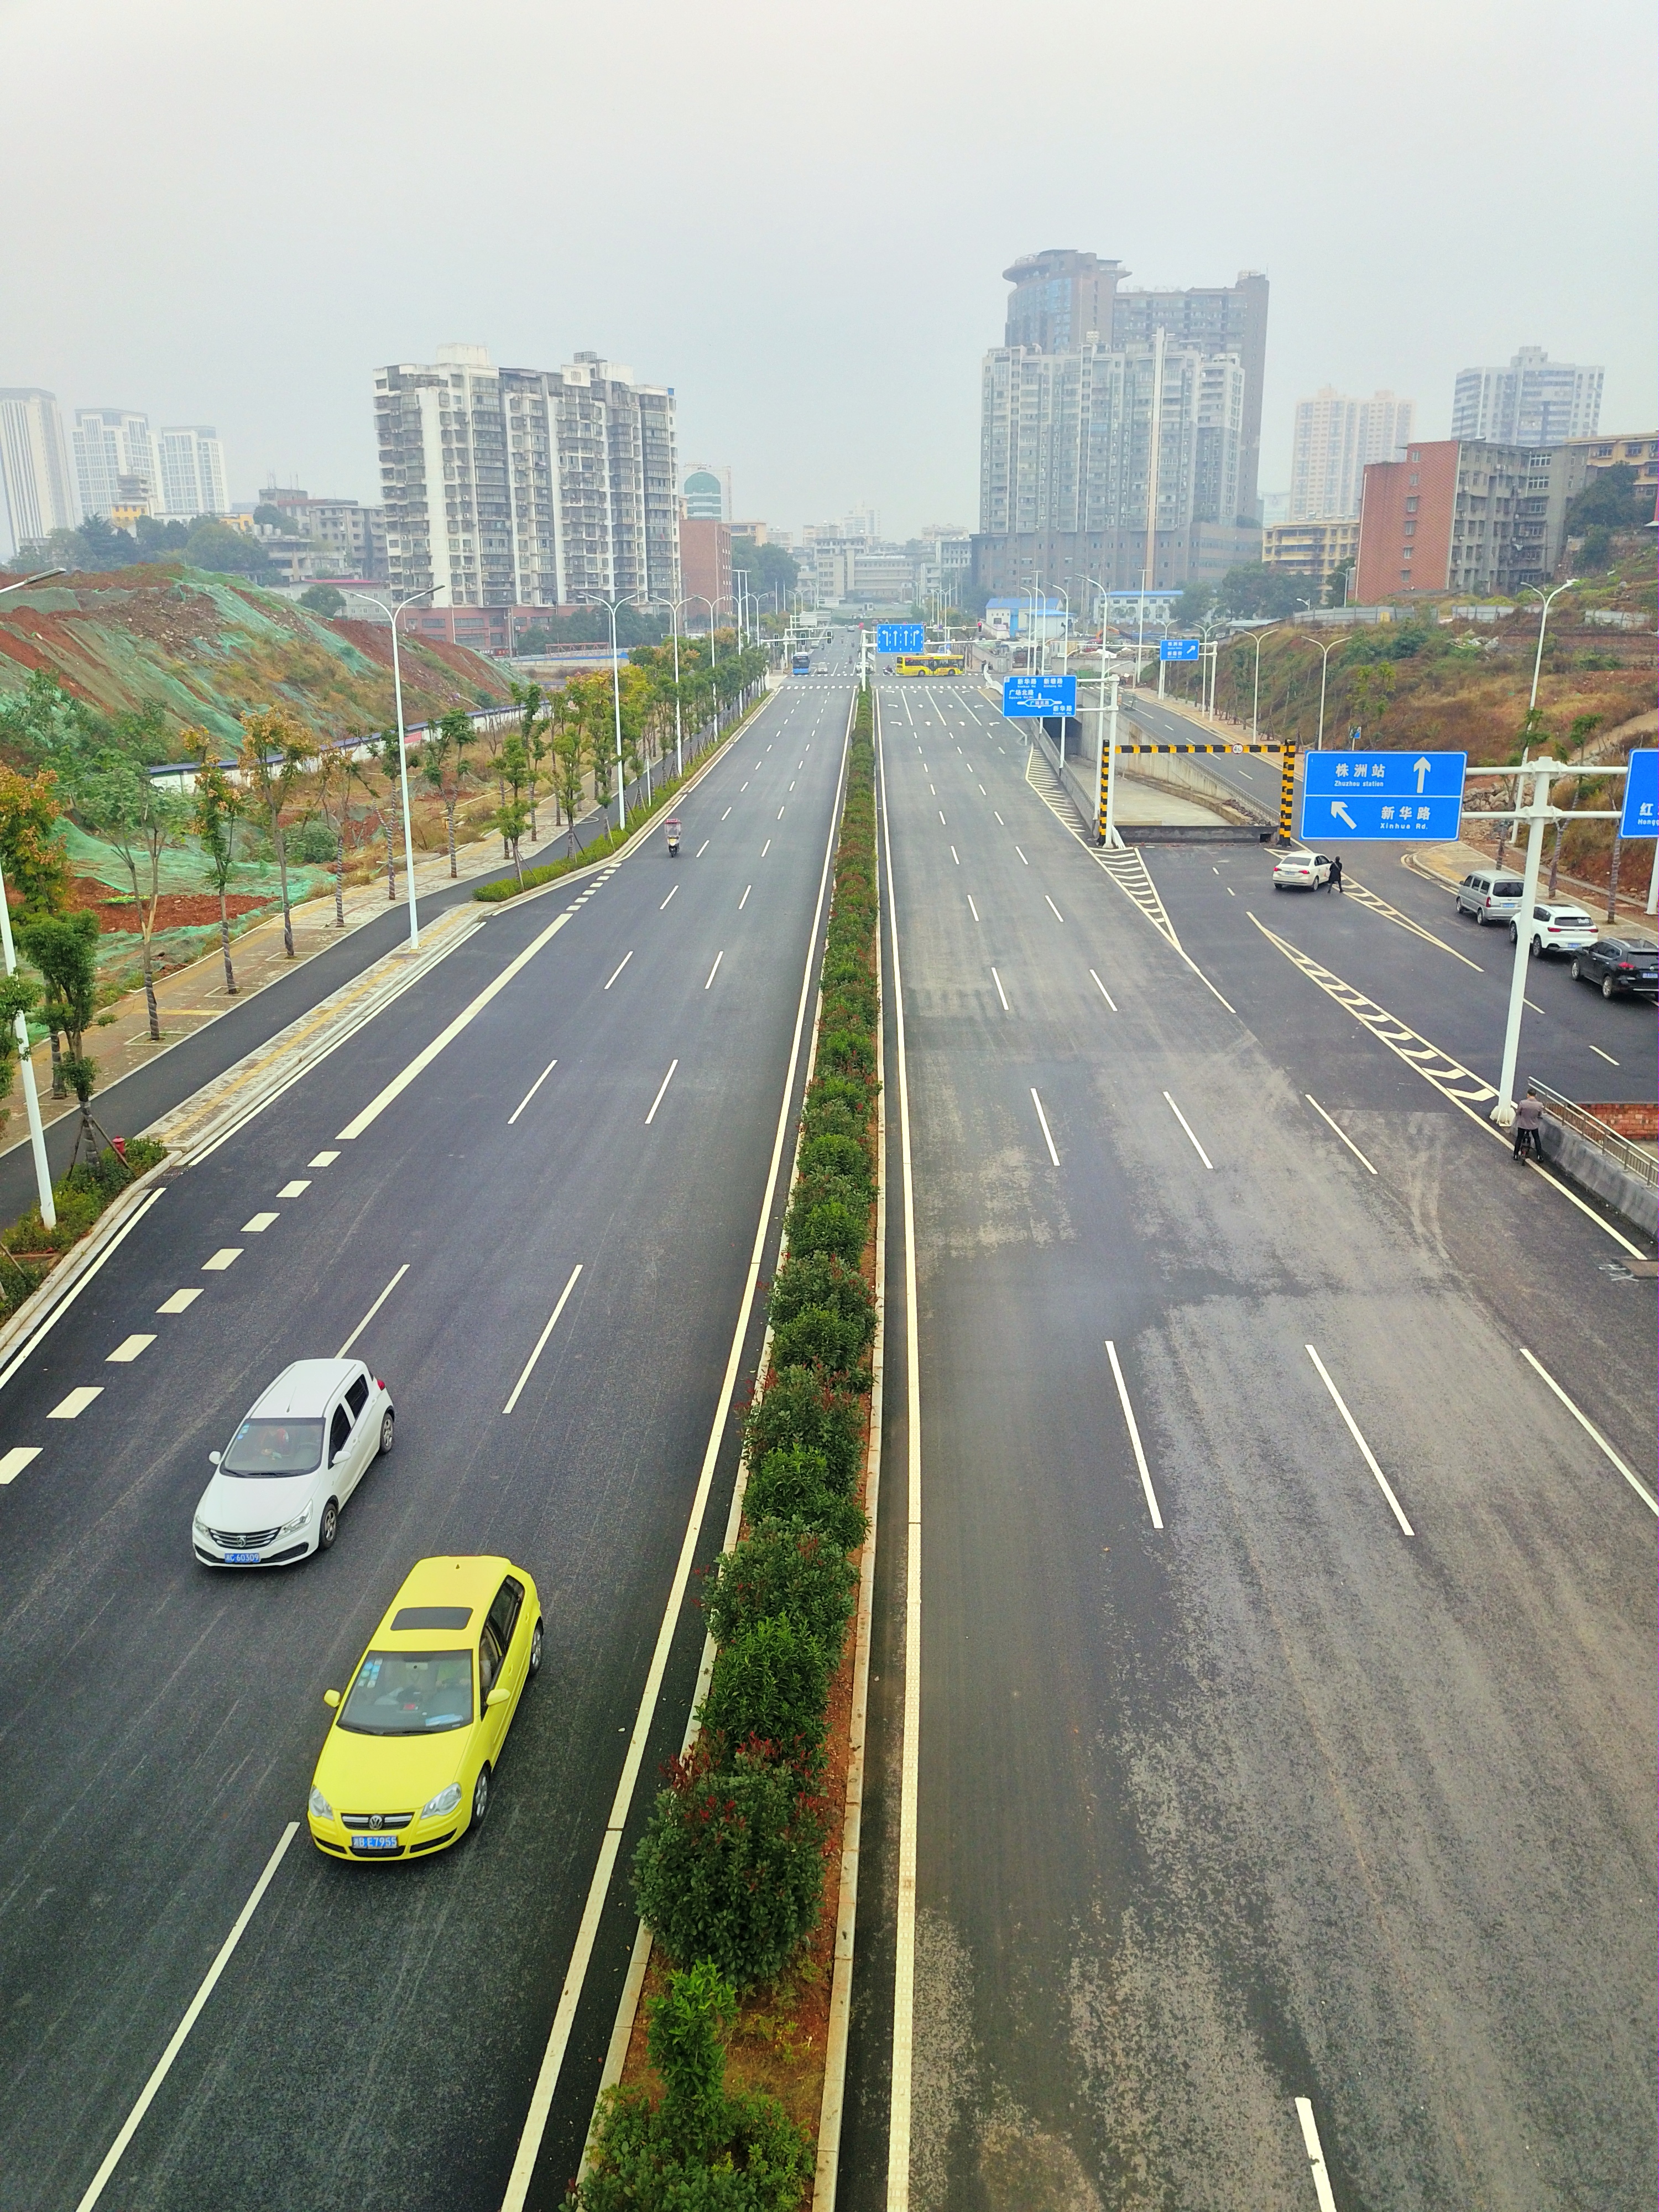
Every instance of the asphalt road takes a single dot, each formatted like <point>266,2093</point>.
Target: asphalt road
<point>1274,1802</point>
<point>374,2041</point>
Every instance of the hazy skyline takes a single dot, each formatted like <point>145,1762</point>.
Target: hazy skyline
<point>235,216</point>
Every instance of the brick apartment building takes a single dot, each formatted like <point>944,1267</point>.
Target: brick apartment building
<point>1462,515</point>
<point>705,564</point>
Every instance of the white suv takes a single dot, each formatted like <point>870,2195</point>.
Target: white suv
<point>280,1483</point>
<point>1556,928</point>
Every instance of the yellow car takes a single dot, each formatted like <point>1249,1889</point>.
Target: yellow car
<point>406,1767</point>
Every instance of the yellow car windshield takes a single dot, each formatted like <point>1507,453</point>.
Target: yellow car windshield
<point>410,1694</point>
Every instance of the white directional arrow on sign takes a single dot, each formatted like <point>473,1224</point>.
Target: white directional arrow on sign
<point>1422,768</point>
<point>1337,808</point>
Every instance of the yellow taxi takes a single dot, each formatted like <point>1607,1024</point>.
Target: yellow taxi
<point>406,1767</point>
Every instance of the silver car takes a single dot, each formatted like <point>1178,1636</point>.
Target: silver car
<point>280,1484</point>
<point>1490,895</point>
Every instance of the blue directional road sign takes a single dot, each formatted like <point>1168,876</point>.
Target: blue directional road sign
<point>1641,817</point>
<point>1039,695</point>
<point>898,637</point>
<point>1380,797</point>
<point>1178,648</point>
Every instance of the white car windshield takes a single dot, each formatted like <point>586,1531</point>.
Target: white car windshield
<point>275,1445</point>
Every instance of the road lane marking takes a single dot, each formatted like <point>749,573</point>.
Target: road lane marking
<point>372,1310</point>
<point>1592,1432</point>
<point>558,2038</point>
<point>257,1224</point>
<point>780,814</point>
<point>727,812</point>
<point>703,847</point>
<point>744,901</point>
<point>128,1350</point>
<point>1188,1127</point>
<point>112,2155</point>
<point>766,848</point>
<point>68,1409</point>
<point>14,1461</point>
<point>1053,910</point>
<point>1104,992</point>
<point>716,969</point>
<point>1023,857</point>
<point>1322,2180</point>
<point>1340,1132</point>
<point>999,818</point>
<point>1046,1139</point>
<point>226,1256</point>
<point>541,1079</point>
<point>1607,1057</point>
<point>323,1160</point>
<point>972,908</point>
<point>1366,1452</point>
<point>541,1342</point>
<point>671,895</point>
<point>295,1189</point>
<point>742,787</point>
<point>1134,1435</point>
<point>1368,898</point>
<point>662,1087</point>
<point>953,856</point>
<point>179,1300</point>
<point>620,965</point>
<point>1007,1009</point>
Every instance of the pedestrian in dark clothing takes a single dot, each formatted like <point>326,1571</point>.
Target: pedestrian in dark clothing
<point>1333,881</point>
<point>1528,1120</point>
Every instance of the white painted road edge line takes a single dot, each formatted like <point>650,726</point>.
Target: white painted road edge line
<point>565,2017</point>
<point>1104,992</point>
<point>372,1310</point>
<point>662,1087</point>
<point>904,1938</point>
<point>1591,1430</point>
<point>1134,1434</point>
<point>112,2156</point>
<point>1322,2180</point>
<point>76,1289</point>
<point>1046,1139</point>
<point>1340,1132</point>
<point>542,1078</point>
<point>1001,994</point>
<point>1188,1127</point>
<point>1365,1449</point>
<point>541,1341</point>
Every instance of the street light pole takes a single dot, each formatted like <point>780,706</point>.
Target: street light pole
<point>611,606</point>
<point>1255,697</point>
<point>1106,734</point>
<point>1543,617</point>
<point>1324,653</point>
<point>392,615</point>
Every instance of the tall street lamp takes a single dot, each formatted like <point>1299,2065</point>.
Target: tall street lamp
<point>1256,697</point>
<point>31,1103</point>
<point>632,598</point>
<point>392,615</point>
<point>1543,617</point>
<point>1106,733</point>
<point>1324,653</point>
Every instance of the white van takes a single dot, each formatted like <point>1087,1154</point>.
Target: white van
<point>1490,895</point>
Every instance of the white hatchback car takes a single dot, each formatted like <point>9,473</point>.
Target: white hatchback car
<point>1556,928</point>
<point>1301,872</point>
<point>279,1485</point>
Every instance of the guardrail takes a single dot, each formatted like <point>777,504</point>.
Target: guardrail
<point>1642,1165</point>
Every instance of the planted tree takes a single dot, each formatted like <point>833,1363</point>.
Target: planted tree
<point>512,814</point>
<point>120,802</point>
<point>569,765</point>
<point>277,749</point>
<point>533,724</point>
<point>331,789</point>
<point>218,808</point>
<point>64,947</point>
<point>443,763</point>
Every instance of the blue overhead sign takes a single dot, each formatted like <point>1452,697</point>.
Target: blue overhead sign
<point>1382,796</point>
<point>1641,817</point>
<point>1039,695</point>
<point>1178,648</point>
<point>898,637</point>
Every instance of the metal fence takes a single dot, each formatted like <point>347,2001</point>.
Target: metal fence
<point>1642,1165</point>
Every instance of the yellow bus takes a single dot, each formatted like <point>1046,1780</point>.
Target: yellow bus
<point>935,663</point>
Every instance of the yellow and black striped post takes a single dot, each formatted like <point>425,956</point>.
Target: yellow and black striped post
<point>1287,792</point>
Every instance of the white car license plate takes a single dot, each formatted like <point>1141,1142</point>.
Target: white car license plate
<point>241,1559</point>
<point>374,1843</point>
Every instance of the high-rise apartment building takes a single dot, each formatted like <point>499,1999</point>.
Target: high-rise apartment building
<point>1212,319</point>
<point>1336,439</point>
<point>1535,401</point>
<point>114,460</point>
<point>190,472</point>
<point>509,487</point>
<point>34,469</point>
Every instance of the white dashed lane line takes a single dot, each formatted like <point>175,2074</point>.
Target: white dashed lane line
<point>68,1408</point>
<point>128,1350</point>
<point>226,1256</point>
<point>179,1301</point>
<point>14,1461</point>
<point>323,1160</point>
<point>258,1223</point>
<point>294,1189</point>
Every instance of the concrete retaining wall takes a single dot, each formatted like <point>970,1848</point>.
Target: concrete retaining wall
<point>1599,1173</point>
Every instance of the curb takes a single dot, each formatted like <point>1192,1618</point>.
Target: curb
<point>50,1300</point>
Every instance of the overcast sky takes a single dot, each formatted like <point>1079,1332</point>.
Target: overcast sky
<point>798,216</point>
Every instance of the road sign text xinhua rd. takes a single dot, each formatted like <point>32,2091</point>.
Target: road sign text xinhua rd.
<point>1641,817</point>
<point>1382,796</point>
<point>1039,695</point>
<point>898,637</point>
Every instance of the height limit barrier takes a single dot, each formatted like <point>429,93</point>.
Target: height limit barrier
<point>1286,752</point>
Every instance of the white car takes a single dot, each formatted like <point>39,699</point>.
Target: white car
<point>1556,928</point>
<point>279,1485</point>
<point>1301,872</point>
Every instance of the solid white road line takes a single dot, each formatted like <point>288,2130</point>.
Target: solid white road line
<point>620,965</point>
<point>258,1225</point>
<point>226,1256</point>
<point>558,2037</point>
<point>323,1160</point>
<point>1322,2180</point>
<point>1607,1057</point>
<point>1592,1432</point>
<point>1366,1452</point>
<point>163,2065</point>
<point>179,1301</point>
<point>1104,992</point>
<point>295,1189</point>
<point>1340,1132</point>
<point>76,1289</point>
<point>15,1460</point>
<point>1132,1427</point>
<point>372,1310</point>
<point>662,1087</point>
<point>716,969</point>
<point>542,1078</point>
<point>67,1409</point>
<point>1043,1118</point>
<point>671,894</point>
<point>128,1350</point>
<point>972,908</point>
<point>541,1342</point>
<point>1053,910</point>
<point>744,901</point>
<point>1188,1127</point>
<point>1001,994</point>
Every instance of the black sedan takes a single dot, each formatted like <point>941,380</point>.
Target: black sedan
<point>1618,964</point>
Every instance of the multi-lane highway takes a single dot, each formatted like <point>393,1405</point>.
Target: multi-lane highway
<point>614,1106</point>
<point>1285,1779</point>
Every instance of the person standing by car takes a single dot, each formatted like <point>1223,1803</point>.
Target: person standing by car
<point>1333,881</point>
<point>1528,1120</point>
